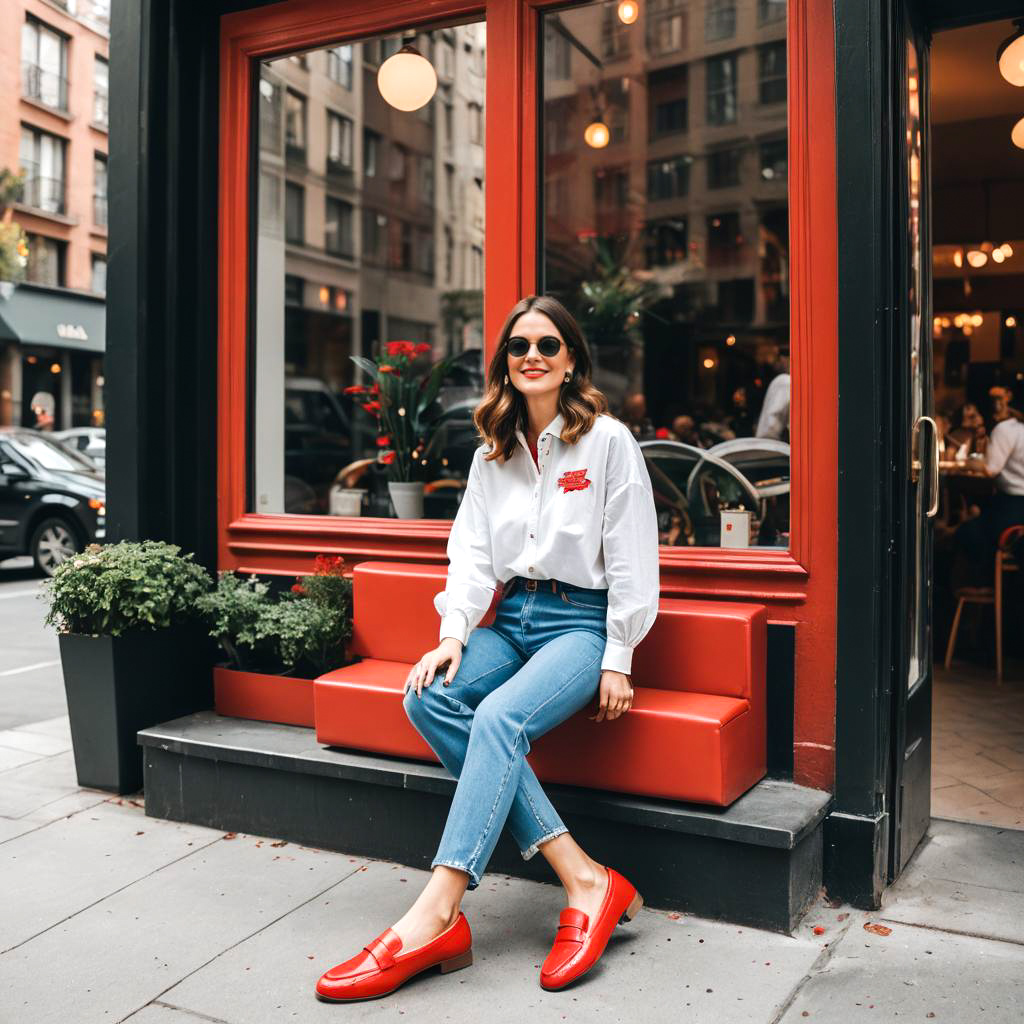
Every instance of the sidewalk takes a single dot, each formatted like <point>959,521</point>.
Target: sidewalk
<point>110,916</point>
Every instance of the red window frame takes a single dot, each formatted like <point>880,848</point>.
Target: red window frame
<point>798,585</point>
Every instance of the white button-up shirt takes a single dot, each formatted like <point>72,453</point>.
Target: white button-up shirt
<point>1004,456</point>
<point>584,515</point>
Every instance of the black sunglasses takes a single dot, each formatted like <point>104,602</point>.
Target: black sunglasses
<point>547,346</point>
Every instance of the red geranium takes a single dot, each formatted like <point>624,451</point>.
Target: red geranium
<point>329,565</point>
<point>373,407</point>
<point>662,434</point>
<point>297,588</point>
<point>401,348</point>
<point>383,441</point>
<point>422,348</point>
<point>386,458</point>
<point>387,368</point>
<point>355,389</point>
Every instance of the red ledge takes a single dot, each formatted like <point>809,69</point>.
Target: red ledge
<point>263,698</point>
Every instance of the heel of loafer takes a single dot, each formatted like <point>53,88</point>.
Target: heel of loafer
<point>633,909</point>
<point>457,962</point>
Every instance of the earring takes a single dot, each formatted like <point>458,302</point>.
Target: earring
<point>568,377</point>
<point>506,378</point>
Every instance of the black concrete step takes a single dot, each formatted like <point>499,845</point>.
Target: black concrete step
<point>756,862</point>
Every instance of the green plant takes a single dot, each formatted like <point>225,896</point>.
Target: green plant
<point>111,589</point>
<point>613,299</point>
<point>13,252</point>
<point>402,399</point>
<point>301,631</point>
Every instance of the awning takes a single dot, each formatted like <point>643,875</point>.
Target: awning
<point>34,315</point>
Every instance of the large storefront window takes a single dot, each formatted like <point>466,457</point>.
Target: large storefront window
<point>370,245</point>
<point>665,230</point>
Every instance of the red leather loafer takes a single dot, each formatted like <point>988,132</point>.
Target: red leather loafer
<point>380,967</point>
<point>580,942</point>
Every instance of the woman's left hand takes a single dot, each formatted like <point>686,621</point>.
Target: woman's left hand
<point>616,696</point>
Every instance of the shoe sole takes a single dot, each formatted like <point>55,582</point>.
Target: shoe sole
<point>456,963</point>
<point>627,915</point>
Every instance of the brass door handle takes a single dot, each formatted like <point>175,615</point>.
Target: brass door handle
<point>916,465</point>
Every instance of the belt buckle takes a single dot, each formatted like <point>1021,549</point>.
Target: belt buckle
<point>531,585</point>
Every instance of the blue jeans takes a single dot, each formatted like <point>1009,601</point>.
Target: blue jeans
<point>536,666</point>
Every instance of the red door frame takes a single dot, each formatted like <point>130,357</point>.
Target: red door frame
<point>799,585</point>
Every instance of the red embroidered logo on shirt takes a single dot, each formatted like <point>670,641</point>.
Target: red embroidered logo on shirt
<point>574,480</point>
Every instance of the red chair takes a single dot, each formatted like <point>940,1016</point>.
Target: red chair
<point>696,731</point>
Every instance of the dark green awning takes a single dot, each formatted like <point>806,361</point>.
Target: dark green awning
<point>53,316</point>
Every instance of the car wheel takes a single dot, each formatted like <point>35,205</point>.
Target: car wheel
<point>53,541</point>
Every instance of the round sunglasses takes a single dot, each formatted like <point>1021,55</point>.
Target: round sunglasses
<point>547,346</point>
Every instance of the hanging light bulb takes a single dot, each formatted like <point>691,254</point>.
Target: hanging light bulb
<point>407,80</point>
<point>596,134</point>
<point>1017,135</point>
<point>1010,56</point>
<point>629,11</point>
<point>998,255</point>
<point>1006,249</point>
<point>958,258</point>
<point>977,258</point>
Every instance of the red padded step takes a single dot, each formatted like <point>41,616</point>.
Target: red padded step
<point>672,744</point>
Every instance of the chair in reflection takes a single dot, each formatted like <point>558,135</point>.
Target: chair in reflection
<point>1004,563</point>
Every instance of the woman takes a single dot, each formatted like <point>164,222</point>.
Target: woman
<point>558,509</point>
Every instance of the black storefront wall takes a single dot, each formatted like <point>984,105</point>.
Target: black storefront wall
<point>161,363</point>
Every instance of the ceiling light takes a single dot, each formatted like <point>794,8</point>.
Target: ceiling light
<point>976,258</point>
<point>1011,321</point>
<point>629,11</point>
<point>596,134</point>
<point>998,255</point>
<point>1010,56</point>
<point>977,319</point>
<point>958,258</point>
<point>407,80</point>
<point>1006,249</point>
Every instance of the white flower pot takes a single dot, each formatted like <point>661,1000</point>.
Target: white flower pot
<point>407,497</point>
<point>346,501</point>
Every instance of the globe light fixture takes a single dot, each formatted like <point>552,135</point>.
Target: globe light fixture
<point>1010,56</point>
<point>629,11</point>
<point>1011,321</point>
<point>1006,249</point>
<point>596,134</point>
<point>998,255</point>
<point>976,258</point>
<point>1017,135</point>
<point>958,258</point>
<point>407,80</point>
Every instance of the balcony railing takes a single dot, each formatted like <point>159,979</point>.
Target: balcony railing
<point>45,194</point>
<point>46,87</point>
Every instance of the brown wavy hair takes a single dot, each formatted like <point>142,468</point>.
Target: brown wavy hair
<point>503,409</point>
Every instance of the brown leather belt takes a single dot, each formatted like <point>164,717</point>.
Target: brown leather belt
<point>530,585</point>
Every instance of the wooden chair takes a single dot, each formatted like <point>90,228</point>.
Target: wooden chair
<point>1005,562</point>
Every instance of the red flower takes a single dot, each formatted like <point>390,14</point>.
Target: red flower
<point>387,458</point>
<point>422,348</point>
<point>383,441</point>
<point>662,434</point>
<point>373,407</point>
<point>329,565</point>
<point>355,389</point>
<point>297,588</point>
<point>400,348</point>
<point>386,368</point>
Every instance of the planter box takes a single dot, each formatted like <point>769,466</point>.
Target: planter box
<point>118,685</point>
<point>263,698</point>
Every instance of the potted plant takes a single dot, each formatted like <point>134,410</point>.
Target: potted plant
<point>402,398</point>
<point>277,644</point>
<point>132,651</point>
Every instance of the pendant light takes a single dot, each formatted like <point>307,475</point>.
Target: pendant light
<point>629,11</point>
<point>1017,135</point>
<point>407,80</point>
<point>597,134</point>
<point>1010,56</point>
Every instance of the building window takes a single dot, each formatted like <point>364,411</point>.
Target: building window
<point>44,64</point>
<point>615,36</point>
<point>371,152</point>
<point>668,97</point>
<point>666,26</point>
<point>557,54</point>
<point>98,282</point>
<point>668,179</point>
<point>670,117</point>
<point>611,187</point>
<point>724,167</point>
<point>375,237</point>
<point>295,126</point>
<point>339,142</point>
<point>774,160</point>
<point>719,20</point>
<point>46,258</point>
<point>338,237</point>
<point>99,189</point>
<point>476,123</point>
<point>725,243</point>
<point>294,213</point>
<point>770,10</point>
<point>721,89</point>
<point>294,286</point>
<point>771,72</point>
<point>100,91</point>
<point>339,65</point>
<point>426,180</point>
<point>43,161</point>
<point>665,242</point>
<point>449,255</point>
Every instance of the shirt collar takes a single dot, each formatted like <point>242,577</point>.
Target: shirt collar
<point>555,428</point>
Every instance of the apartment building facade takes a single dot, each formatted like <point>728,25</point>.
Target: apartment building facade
<point>54,61</point>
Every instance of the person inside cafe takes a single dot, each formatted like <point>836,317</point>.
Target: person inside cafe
<point>968,434</point>
<point>774,419</point>
<point>978,538</point>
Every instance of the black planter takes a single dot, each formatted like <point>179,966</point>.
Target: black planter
<point>118,685</point>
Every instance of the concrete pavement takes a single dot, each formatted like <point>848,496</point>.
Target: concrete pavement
<point>112,916</point>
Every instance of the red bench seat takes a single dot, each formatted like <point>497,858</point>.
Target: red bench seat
<point>696,731</point>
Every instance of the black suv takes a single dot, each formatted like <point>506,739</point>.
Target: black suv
<point>52,500</point>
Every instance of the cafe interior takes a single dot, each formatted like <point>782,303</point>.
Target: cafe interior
<point>977,241</point>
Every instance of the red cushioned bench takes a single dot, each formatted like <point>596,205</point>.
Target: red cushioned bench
<point>696,731</point>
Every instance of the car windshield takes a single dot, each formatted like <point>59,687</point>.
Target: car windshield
<point>50,454</point>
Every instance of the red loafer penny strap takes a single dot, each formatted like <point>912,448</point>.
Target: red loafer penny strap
<point>383,949</point>
<point>572,925</point>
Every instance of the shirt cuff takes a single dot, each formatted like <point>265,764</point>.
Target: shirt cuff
<point>454,625</point>
<point>617,658</point>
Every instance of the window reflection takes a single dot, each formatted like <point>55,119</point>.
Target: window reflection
<point>670,244</point>
<point>370,233</point>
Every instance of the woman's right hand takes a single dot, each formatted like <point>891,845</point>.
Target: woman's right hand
<point>448,652</point>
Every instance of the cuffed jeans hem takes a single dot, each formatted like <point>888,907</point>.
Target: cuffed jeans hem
<point>474,878</point>
<point>527,854</point>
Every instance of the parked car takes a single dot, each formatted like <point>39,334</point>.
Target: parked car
<point>90,441</point>
<point>52,498</point>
